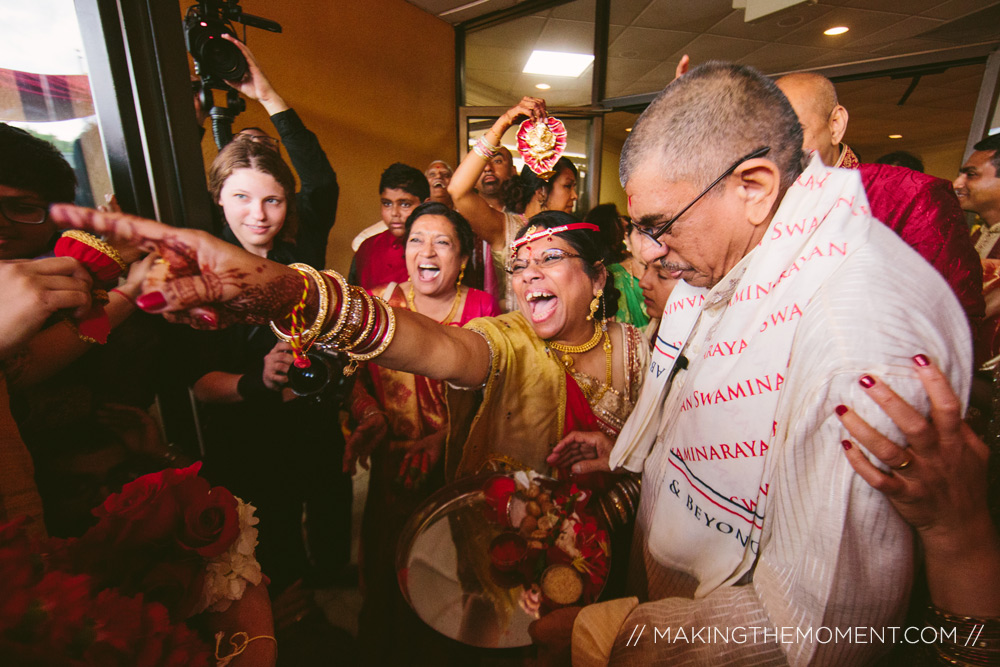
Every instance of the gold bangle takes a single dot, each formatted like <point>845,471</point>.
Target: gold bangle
<point>345,306</point>
<point>309,334</point>
<point>353,322</point>
<point>386,338</point>
<point>380,322</point>
<point>369,325</point>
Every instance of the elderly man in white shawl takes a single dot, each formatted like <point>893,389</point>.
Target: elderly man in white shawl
<point>755,541</point>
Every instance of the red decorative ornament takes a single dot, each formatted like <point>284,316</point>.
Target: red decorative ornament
<point>105,265</point>
<point>541,144</point>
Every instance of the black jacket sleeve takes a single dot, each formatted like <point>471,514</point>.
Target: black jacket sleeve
<point>317,200</point>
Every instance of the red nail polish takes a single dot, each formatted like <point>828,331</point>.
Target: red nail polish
<point>846,444</point>
<point>867,381</point>
<point>151,301</point>
<point>921,360</point>
<point>208,319</point>
<point>841,410</point>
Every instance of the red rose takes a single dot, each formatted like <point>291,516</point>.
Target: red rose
<point>146,511</point>
<point>211,522</point>
<point>135,492</point>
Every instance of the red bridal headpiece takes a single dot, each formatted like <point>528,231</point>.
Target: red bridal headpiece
<point>532,235</point>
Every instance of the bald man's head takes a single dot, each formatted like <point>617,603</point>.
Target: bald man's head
<point>823,120</point>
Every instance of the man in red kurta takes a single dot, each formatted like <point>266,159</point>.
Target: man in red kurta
<point>921,209</point>
<point>381,259</point>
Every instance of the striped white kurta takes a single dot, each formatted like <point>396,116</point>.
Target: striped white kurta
<point>833,553</point>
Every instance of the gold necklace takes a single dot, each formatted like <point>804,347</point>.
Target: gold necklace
<point>576,349</point>
<point>451,313</point>
<point>567,361</point>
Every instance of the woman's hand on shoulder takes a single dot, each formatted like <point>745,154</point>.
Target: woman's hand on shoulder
<point>939,481</point>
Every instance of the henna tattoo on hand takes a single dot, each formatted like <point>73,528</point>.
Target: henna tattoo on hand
<point>272,301</point>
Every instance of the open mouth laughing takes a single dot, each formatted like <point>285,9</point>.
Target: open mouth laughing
<point>541,304</point>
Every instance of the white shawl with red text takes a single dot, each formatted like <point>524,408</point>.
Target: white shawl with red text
<point>729,395</point>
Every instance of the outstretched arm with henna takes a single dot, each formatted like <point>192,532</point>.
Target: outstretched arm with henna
<point>209,284</point>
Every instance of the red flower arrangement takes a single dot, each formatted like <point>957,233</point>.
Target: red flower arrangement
<point>168,546</point>
<point>549,518</point>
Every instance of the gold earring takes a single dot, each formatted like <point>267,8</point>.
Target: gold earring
<point>595,304</point>
<point>461,274</point>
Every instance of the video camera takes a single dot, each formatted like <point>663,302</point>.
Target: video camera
<point>217,60</point>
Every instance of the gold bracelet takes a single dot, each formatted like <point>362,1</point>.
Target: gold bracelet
<point>345,306</point>
<point>324,305</point>
<point>386,339</point>
<point>381,320</point>
<point>369,325</point>
<point>353,322</point>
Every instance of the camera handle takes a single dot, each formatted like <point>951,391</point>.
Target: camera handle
<point>223,117</point>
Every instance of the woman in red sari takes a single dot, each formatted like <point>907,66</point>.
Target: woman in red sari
<point>402,422</point>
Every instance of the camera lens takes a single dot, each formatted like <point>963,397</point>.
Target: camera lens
<point>311,379</point>
<point>224,59</point>
<point>216,58</point>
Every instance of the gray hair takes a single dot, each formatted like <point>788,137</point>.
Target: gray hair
<point>708,118</point>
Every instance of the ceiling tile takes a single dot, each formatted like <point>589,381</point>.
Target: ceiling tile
<point>909,46</point>
<point>567,36</point>
<point>712,47</point>
<point>623,12</point>
<point>624,72</point>
<point>900,6</point>
<point>832,58</point>
<point>904,29</point>
<point>957,8</point>
<point>629,69</point>
<point>579,10</point>
<point>980,26</point>
<point>861,22</point>
<point>648,44</point>
<point>657,78</point>
<point>772,58</point>
<point>771,27</point>
<point>684,14</point>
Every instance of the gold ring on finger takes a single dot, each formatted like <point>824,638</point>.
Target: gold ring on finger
<point>902,466</point>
